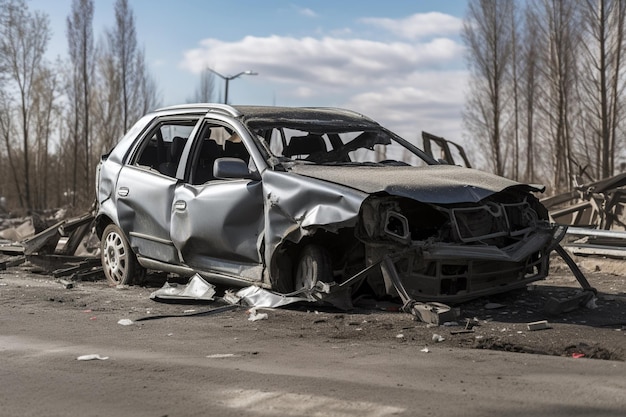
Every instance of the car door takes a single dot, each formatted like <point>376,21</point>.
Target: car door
<point>217,224</point>
<point>146,186</point>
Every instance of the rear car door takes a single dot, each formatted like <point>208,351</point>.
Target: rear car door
<point>217,224</point>
<point>146,186</point>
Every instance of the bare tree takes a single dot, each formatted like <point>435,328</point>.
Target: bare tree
<point>107,110</point>
<point>24,37</point>
<point>123,44</point>
<point>43,108</point>
<point>205,90</point>
<point>529,80</point>
<point>125,82</point>
<point>602,78</point>
<point>515,81</point>
<point>558,23</point>
<point>487,34</point>
<point>147,91</point>
<point>7,132</point>
<point>82,61</point>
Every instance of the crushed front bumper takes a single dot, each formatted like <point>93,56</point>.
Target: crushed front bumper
<point>454,273</point>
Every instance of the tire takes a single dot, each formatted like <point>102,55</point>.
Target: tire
<point>118,260</point>
<point>314,264</point>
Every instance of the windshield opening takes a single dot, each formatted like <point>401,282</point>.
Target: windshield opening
<point>333,146</point>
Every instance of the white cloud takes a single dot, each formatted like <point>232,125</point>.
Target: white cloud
<point>307,12</point>
<point>407,86</point>
<point>427,101</point>
<point>330,61</point>
<point>420,25</point>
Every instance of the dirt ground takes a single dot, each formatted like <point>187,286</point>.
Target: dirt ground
<point>497,323</point>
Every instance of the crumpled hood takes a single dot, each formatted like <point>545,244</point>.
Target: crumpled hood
<point>436,184</point>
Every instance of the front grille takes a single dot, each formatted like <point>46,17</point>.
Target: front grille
<point>492,220</point>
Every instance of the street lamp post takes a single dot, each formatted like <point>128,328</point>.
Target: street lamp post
<point>227,80</point>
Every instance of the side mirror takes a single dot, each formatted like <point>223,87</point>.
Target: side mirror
<point>232,168</point>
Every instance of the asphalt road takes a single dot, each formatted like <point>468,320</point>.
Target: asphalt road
<point>225,365</point>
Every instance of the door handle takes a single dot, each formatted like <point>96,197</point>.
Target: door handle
<point>123,191</point>
<point>180,205</point>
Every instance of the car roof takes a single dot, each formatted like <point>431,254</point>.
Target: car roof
<point>272,112</point>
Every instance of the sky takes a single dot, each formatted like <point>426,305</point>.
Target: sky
<point>400,62</point>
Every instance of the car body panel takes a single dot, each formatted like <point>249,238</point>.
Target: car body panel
<point>144,203</point>
<point>296,206</point>
<point>221,220</point>
<point>434,184</point>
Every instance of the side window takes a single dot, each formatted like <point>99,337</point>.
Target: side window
<point>217,142</point>
<point>162,146</point>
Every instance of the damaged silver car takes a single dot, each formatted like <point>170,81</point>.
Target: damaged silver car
<point>311,199</point>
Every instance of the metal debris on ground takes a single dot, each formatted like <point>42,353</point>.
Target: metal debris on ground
<point>211,312</point>
<point>55,249</point>
<point>438,338</point>
<point>260,297</point>
<point>597,204</point>
<point>433,313</point>
<point>538,325</point>
<point>197,289</point>
<point>254,315</point>
<point>92,357</point>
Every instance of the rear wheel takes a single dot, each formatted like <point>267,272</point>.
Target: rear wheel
<point>314,264</point>
<point>118,260</point>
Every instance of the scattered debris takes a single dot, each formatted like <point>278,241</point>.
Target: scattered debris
<point>433,313</point>
<point>92,357</point>
<point>438,338</point>
<point>197,289</point>
<point>592,242</point>
<point>259,297</point>
<point>211,312</point>
<point>425,350</point>
<point>11,262</point>
<point>598,204</point>
<point>538,325</point>
<point>54,248</point>
<point>67,284</point>
<point>555,306</point>
<point>253,315</point>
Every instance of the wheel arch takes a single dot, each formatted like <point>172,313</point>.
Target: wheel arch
<point>342,246</point>
<point>101,222</point>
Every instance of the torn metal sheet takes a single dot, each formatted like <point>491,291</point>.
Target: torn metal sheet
<point>197,289</point>
<point>259,297</point>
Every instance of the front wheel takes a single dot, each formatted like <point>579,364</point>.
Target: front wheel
<point>118,260</point>
<point>314,264</point>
